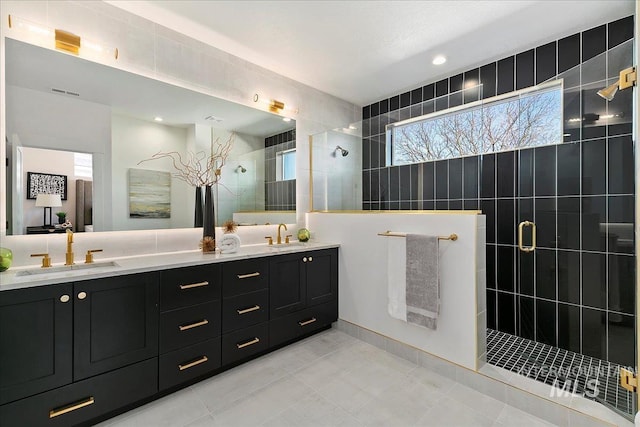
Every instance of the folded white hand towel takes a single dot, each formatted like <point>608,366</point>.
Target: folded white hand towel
<point>229,243</point>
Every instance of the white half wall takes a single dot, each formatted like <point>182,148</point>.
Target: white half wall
<point>362,269</point>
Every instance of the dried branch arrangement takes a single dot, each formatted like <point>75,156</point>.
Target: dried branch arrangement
<point>199,169</point>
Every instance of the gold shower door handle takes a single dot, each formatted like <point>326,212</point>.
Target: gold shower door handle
<point>521,227</point>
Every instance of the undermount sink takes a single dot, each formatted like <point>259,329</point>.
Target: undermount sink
<point>63,268</point>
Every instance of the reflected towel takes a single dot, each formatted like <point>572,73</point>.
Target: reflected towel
<point>229,243</point>
<point>422,280</point>
<point>396,288</point>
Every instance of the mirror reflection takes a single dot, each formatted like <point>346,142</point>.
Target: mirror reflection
<point>62,110</point>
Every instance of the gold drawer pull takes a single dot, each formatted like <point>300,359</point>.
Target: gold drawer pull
<point>63,410</point>
<point>194,363</point>
<point>193,325</point>
<point>194,285</point>
<point>249,310</point>
<point>307,322</point>
<point>256,340</point>
<point>246,276</point>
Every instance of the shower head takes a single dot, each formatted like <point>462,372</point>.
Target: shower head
<point>628,78</point>
<point>241,169</point>
<point>344,152</point>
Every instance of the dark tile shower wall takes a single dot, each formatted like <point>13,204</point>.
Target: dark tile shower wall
<point>577,290</point>
<point>279,195</point>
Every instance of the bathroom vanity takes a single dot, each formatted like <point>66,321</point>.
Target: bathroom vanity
<point>82,345</point>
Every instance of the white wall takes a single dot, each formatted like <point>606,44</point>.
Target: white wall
<point>45,120</point>
<point>362,268</point>
<point>135,140</point>
<point>53,162</point>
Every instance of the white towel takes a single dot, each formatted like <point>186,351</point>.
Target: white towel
<point>229,243</point>
<point>396,278</point>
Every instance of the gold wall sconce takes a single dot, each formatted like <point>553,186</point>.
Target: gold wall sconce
<point>59,39</point>
<point>277,107</point>
<point>628,78</point>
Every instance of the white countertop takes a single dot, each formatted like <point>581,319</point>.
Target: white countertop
<point>12,278</point>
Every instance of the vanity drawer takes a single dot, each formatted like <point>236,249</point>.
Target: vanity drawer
<point>245,310</point>
<point>241,277</point>
<point>189,363</point>
<point>186,326</point>
<point>82,401</point>
<point>182,287</point>
<point>241,344</point>
<point>294,325</point>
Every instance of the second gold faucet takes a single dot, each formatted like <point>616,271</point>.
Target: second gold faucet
<point>279,238</point>
<point>69,254</point>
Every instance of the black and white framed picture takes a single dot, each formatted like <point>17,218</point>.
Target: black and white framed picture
<point>46,183</point>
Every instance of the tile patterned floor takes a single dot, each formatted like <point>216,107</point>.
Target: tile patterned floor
<point>330,379</point>
<point>550,365</point>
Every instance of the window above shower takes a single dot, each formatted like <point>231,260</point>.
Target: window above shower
<point>525,118</point>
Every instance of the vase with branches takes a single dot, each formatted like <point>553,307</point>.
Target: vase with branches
<point>201,169</point>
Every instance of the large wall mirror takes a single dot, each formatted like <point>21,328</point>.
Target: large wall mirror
<point>93,124</point>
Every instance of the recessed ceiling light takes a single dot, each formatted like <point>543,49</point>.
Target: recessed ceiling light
<point>157,119</point>
<point>286,119</point>
<point>352,127</point>
<point>439,60</point>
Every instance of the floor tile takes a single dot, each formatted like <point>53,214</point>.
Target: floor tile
<point>449,412</point>
<point>176,409</point>
<point>330,379</point>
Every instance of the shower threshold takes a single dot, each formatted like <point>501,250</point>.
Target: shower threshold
<point>566,371</point>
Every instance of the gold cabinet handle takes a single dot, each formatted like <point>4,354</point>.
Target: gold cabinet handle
<point>256,340</point>
<point>192,364</point>
<point>193,325</point>
<point>194,285</point>
<point>307,322</point>
<point>69,408</point>
<point>82,295</point>
<point>304,259</point>
<point>246,276</point>
<point>310,259</point>
<point>65,298</point>
<point>521,227</point>
<point>249,310</point>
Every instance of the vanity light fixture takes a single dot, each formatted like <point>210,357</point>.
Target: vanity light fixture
<point>59,39</point>
<point>628,78</point>
<point>439,60</point>
<point>275,106</point>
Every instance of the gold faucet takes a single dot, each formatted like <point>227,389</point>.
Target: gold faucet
<point>279,239</point>
<point>69,255</point>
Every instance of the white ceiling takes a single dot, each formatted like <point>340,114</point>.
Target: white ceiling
<point>363,51</point>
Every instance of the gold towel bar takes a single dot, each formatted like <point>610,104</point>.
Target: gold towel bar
<point>389,233</point>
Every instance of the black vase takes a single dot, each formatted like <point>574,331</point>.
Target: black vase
<point>197,216</point>
<point>208,223</point>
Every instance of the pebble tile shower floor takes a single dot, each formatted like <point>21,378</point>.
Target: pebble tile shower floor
<point>330,379</point>
<point>549,364</point>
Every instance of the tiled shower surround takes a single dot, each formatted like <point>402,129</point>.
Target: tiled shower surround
<point>577,290</point>
<point>279,195</point>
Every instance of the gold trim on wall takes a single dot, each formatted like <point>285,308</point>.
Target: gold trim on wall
<point>394,212</point>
